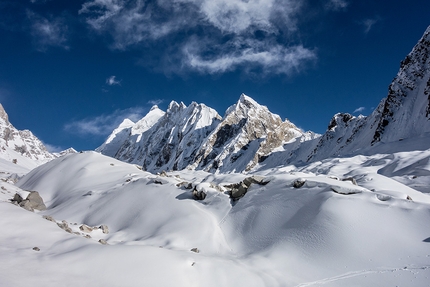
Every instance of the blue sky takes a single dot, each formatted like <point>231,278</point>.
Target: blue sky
<point>70,71</point>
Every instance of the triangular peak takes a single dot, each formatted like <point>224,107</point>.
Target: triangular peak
<point>3,114</point>
<point>247,99</point>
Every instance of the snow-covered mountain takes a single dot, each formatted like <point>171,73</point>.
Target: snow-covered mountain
<point>247,133</point>
<point>163,140</point>
<point>197,137</point>
<point>403,114</point>
<point>250,136</point>
<point>21,147</point>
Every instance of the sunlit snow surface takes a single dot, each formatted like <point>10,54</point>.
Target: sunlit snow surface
<point>276,235</point>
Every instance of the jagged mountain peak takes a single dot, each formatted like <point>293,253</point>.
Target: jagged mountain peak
<point>3,114</point>
<point>195,136</point>
<point>243,106</point>
<point>175,107</point>
<point>126,123</point>
<point>339,120</point>
<point>154,107</point>
<point>21,146</point>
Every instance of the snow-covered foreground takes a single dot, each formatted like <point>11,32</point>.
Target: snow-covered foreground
<point>327,232</point>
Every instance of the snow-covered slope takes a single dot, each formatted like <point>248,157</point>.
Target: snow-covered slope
<point>20,147</point>
<point>327,232</point>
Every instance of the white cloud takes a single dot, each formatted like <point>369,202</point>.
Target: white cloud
<point>359,110</point>
<point>111,81</point>
<point>337,5</point>
<point>104,124</point>
<point>368,24</point>
<point>53,148</point>
<point>155,102</point>
<point>47,32</point>
<point>253,54</point>
<point>222,32</point>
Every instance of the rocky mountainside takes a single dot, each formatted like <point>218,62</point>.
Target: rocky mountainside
<point>403,114</point>
<point>196,137</point>
<point>21,147</point>
<point>247,134</point>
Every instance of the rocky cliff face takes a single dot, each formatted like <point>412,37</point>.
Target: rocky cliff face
<point>406,110</point>
<point>247,133</point>
<point>16,144</point>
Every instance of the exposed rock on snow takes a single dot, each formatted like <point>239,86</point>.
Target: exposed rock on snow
<point>33,201</point>
<point>104,228</point>
<point>345,190</point>
<point>238,190</point>
<point>85,228</point>
<point>49,218</point>
<point>299,183</point>
<point>199,194</point>
<point>65,226</point>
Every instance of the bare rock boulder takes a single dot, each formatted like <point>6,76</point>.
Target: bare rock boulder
<point>36,201</point>
<point>85,228</point>
<point>104,228</point>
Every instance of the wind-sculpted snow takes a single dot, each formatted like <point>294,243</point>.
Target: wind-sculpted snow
<point>327,229</point>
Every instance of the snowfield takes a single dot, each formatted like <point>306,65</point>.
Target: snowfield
<point>306,227</point>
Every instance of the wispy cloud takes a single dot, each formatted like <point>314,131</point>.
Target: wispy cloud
<point>47,33</point>
<point>359,110</point>
<point>103,125</point>
<point>368,24</point>
<point>221,35</point>
<point>155,102</point>
<point>53,148</point>
<point>274,58</point>
<point>112,81</point>
<point>337,5</point>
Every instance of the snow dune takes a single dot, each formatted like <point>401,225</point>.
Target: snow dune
<point>276,235</point>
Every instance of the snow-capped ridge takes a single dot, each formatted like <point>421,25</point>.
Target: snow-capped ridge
<point>3,114</point>
<point>196,136</point>
<point>21,146</point>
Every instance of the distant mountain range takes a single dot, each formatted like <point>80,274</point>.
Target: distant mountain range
<point>249,136</point>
